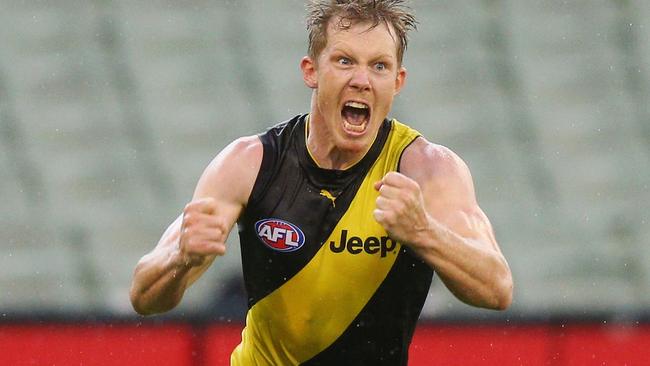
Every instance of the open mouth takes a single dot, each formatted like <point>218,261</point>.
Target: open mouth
<point>355,117</point>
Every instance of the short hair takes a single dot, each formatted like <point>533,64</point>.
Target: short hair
<point>389,12</point>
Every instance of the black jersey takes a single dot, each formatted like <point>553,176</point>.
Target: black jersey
<point>326,284</point>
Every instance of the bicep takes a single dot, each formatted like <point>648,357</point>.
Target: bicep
<point>230,177</point>
<point>454,205</point>
<point>448,192</point>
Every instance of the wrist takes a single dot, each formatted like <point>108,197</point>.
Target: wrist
<point>427,236</point>
<point>179,261</point>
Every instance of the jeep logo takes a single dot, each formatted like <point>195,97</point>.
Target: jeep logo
<point>356,245</point>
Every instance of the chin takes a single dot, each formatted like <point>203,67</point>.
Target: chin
<point>355,144</point>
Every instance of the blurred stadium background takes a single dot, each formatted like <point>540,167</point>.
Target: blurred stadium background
<point>110,110</point>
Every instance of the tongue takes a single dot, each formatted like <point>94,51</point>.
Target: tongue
<point>354,116</point>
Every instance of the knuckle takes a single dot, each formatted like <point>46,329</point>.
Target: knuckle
<point>215,236</point>
<point>190,233</point>
<point>402,212</point>
<point>378,216</point>
<point>189,208</point>
<point>408,200</point>
<point>208,203</point>
<point>208,200</point>
<point>220,249</point>
<point>195,245</point>
<point>221,233</point>
<point>394,177</point>
<point>188,218</point>
<point>388,216</point>
<point>381,202</point>
<point>414,183</point>
<point>218,222</point>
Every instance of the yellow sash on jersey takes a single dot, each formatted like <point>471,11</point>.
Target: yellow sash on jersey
<point>309,312</point>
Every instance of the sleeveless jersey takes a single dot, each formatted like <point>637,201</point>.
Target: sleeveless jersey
<point>325,283</point>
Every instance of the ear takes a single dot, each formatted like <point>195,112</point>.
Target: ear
<point>309,72</point>
<point>400,80</point>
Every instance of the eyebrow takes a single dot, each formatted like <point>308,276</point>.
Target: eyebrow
<point>377,57</point>
<point>385,55</point>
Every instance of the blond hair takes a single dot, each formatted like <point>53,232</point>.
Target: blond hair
<point>349,12</point>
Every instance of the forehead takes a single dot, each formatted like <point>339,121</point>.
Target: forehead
<point>380,37</point>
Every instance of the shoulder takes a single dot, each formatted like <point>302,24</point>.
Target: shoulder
<point>243,153</point>
<point>425,157</point>
<point>245,149</point>
<point>233,170</point>
<point>437,167</point>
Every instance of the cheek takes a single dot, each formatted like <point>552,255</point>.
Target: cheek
<point>387,94</point>
<point>328,94</point>
<point>325,101</point>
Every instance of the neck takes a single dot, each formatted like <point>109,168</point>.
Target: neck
<point>331,158</point>
<point>324,152</point>
<point>322,144</point>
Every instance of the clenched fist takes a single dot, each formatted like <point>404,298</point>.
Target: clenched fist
<point>400,208</point>
<point>203,233</point>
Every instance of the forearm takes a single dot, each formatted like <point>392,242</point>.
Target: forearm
<point>473,272</point>
<point>159,281</point>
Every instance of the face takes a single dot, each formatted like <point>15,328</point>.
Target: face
<point>355,80</point>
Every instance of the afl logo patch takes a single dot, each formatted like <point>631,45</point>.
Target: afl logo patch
<point>280,235</point>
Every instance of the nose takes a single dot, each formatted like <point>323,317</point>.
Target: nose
<point>360,80</point>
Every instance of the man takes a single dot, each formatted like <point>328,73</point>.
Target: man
<point>343,214</point>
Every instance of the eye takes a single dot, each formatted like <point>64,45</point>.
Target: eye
<point>344,61</point>
<point>380,66</point>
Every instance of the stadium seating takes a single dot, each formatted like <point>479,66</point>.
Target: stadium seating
<point>109,111</point>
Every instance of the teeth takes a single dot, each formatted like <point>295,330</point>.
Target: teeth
<point>355,128</point>
<point>356,105</point>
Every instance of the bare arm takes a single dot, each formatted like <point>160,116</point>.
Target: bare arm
<point>193,241</point>
<point>431,207</point>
